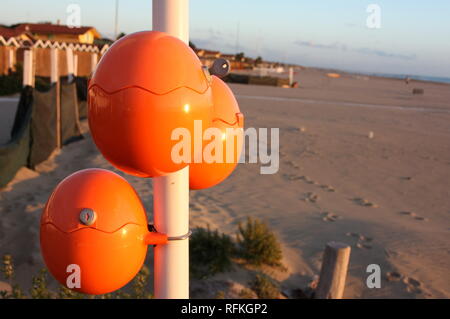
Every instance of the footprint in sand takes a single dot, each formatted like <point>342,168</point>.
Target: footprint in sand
<point>411,282</point>
<point>292,164</point>
<point>291,177</point>
<point>307,180</point>
<point>364,202</point>
<point>330,217</point>
<point>311,197</point>
<point>363,246</point>
<point>360,237</point>
<point>362,241</point>
<point>292,129</point>
<point>393,276</point>
<point>413,215</point>
<point>408,213</point>
<point>327,188</point>
<point>412,285</point>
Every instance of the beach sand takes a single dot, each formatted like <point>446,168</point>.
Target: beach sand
<point>362,161</point>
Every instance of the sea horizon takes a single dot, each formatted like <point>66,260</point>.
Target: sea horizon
<point>438,79</point>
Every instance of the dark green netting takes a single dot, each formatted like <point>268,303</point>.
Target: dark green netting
<point>43,126</point>
<point>33,136</point>
<point>14,154</point>
<point>82,84</point>
<point>70,126</point>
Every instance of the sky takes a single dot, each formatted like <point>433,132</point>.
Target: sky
<point>413,35</point>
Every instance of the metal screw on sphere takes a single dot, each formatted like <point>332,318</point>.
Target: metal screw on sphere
<point>220,68</point>
<point>87,216</point>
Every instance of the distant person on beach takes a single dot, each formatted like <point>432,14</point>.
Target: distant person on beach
<point>407,79</point>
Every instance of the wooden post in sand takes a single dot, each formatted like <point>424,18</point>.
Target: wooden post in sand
<point>70,64</point>
<point>291,76</point>
<point>28,68</point>
<point>54,78</point>
<point>94,61</point>
<point>75,65</point>
<point>11,59</point>
<point>334,271</point>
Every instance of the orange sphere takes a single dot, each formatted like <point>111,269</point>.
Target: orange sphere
<point>95,220</point>
<point>229,122</point>
<point>146,85</point>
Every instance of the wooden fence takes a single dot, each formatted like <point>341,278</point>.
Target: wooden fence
<point>76,59</point>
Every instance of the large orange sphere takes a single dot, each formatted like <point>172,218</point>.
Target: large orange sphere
<point>229,123</point>
<point>146,85</point>
<point>94,220</point>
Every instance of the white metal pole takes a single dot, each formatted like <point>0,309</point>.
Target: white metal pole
<point>172,17</point>
<point>75,65</point>
<point>171,193</point>
<point>171,216</point>
<point>54,78</point>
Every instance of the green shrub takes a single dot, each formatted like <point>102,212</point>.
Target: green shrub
<point>210,252</point>
<point>141,284</point>
<point>246,293</point>
<point>66,293</point>
<point>39,288</point>
<point>258,245</point>
<point>7,268</point>
<point>264,287</point>
<point>139,287</point>
<point>220,295</point>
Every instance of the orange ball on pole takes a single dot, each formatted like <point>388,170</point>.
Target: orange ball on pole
<point>94,221</point>
<point>229,123</point>
<point>145,86</point>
